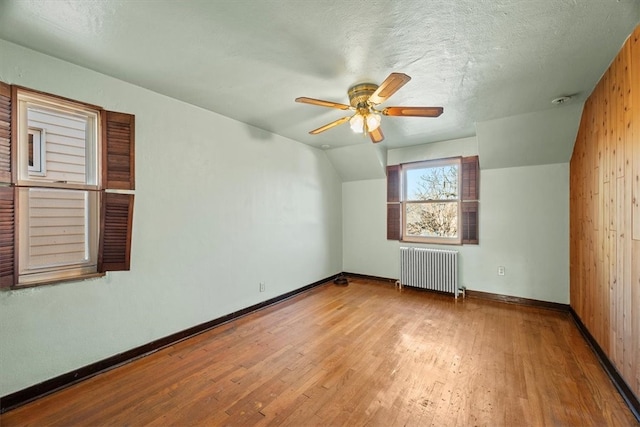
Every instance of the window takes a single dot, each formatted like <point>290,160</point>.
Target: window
<point>433,201</point>
<point>58,226</point>
<point>36,146</point>
<point>59,218</point>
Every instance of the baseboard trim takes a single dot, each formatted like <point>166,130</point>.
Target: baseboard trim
<point>29,394</point>
<point>517,300</point>
<point>625,391</point>
<point>367,277</point>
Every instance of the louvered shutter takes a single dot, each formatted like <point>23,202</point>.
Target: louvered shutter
<point>470,223</point>
<point>118,153</point>
<point>115,232</point>
<point>394,207</point>
<point>470,197</point>
<point>5,133</point>
<point>470,178</point>
<point>116,217</point>
<point>8,266</point>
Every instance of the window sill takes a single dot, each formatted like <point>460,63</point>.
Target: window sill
<point>56,281</point>
<point>432,241</point>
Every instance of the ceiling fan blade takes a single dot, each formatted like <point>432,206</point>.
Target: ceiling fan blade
<point>413,111</point>
<point>322,103</point>
<point>376,135</point>
<point>330,125</point>
<point>388,87</point>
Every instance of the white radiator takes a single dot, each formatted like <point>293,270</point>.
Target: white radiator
<point>433,269</point>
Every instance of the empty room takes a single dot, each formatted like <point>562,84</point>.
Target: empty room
<point>319,213</point>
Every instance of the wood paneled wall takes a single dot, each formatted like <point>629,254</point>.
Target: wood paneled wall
<point>605,214</point>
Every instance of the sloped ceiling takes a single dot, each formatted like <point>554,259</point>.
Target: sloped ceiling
<point>538,138</point>
<point>481,60</point>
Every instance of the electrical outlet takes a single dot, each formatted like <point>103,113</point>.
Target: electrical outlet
<point>501,270</point>
<point>262,287</point>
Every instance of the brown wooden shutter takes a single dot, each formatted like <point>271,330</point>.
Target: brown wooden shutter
<point>118,151</point>
<point>470,223</point>
<point>394,221</point>
<point>115,232</point>
<point>393,184</point>
<point>5,133</point>
<point>470,197</point>
<point>118,173</point>
<point>8,200</point>
<point>394,206</point>
<point>8,266</point>
<point>470,178</point>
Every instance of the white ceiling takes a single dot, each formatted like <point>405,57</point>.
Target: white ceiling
<point>248,60</point>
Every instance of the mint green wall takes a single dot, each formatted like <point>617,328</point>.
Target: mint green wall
<point>220,206</point>
<point>524,226</point>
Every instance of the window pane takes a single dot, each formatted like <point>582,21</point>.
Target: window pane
<point>433,183</point>
<point>66,144</point>
<point>30,150</point>
<point>35,151</point>
<point>432,219</point>
<point>58,230</point>
<point>64,138</point>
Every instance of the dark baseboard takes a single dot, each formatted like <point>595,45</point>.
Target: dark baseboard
<point>366,277</point>
<point>29,394</point>
<point>625,391</point>
<point>517,300</point>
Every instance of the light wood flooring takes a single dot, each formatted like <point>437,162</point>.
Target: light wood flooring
<point>366,354</point>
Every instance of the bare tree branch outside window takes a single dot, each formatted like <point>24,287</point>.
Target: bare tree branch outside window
<point>432,202</point>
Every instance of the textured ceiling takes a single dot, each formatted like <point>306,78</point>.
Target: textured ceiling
<point>249,60</point>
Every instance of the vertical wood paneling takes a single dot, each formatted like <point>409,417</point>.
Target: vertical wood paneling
<point>605,214</point>
<point>635,131</point>
<point>633,146</point>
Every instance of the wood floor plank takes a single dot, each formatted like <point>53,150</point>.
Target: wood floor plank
<point>366,354</point>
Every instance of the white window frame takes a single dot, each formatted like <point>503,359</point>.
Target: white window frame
<point>26,100</point>
<point>28,274</point>
<point>428,164</point>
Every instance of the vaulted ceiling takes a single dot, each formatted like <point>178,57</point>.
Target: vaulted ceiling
<point>485,62</point>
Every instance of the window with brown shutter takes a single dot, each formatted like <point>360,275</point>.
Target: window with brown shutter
<point>444,209</point>
<point>57,220</point>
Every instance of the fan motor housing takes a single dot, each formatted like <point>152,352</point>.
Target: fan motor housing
<point>360,93</point>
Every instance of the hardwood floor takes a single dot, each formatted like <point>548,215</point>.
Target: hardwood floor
<point>366,354</point>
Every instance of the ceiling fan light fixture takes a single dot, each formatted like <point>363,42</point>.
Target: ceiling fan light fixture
<point>357,123</point>
<point>373,121</point>
<point>365,123</point>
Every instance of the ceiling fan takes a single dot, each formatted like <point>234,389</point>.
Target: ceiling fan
<point>364,98</point>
